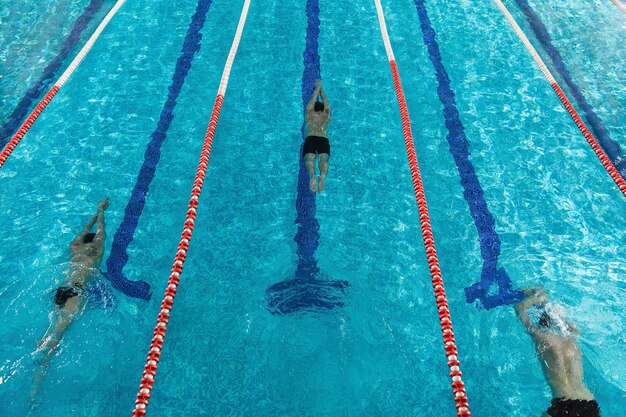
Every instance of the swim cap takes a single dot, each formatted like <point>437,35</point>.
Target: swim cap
<point>545,320</point>
<point>549,318</point>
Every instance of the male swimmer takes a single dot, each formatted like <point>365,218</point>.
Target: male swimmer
<point>86,254</point>
<point>561,358</point>
<point>316,143</point>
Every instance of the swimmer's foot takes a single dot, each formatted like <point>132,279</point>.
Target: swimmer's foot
<point>322,185</point>
<point>33,399</point>
<point>313,183</point>
<point>103,204</point>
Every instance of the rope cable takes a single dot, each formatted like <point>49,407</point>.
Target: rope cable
<point>604,159</point>
<point>458,388</point>
<point>19,135</point>
<point>156,345</point>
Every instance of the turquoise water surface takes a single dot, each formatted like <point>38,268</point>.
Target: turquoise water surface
<point>559,216</point>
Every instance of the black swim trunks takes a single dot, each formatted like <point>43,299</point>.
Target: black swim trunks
<point>64,293</point>
<point>573,408</point>
<point>316,144</point>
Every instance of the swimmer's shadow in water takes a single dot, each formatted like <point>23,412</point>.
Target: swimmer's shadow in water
<point>100,294</point>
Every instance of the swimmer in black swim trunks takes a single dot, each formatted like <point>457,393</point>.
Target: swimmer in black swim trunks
<point>561,358</point>
<point>316,142</point>
<point>86,249</point>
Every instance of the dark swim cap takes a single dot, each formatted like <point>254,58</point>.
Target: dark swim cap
<point>319,106</point>
<point>545,320</point>
<point>89,237</point>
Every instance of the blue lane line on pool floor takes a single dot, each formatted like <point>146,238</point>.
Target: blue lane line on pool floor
<point>612,149</point>
<point>23,107</point>
<point>307,236</point>
<point>495,287</point>
<point>125,232</point>
<point>306,291</point>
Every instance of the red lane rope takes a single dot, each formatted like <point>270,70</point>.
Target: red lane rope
<point>25,127</point>
<point>445,321</point>
<point>620,5</point>
<point>19,135</point>
<point>604,159</point>
<point>458,388</point>
<point>158,336</point>
<point>154,353</point>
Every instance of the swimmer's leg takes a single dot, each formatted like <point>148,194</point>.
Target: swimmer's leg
<point>309,160</point>
<point>40,372</point>
<point>323,163</point>
<point>50,342</point>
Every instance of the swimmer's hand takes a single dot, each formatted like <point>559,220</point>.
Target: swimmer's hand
<point>318,83</point>
<point>104,204</point>
<point>535,296</point>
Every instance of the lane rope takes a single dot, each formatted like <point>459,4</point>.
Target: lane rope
<point>44,81</point>
<point>596,125</point>
<point>604,159</point>
<point>25,127</point>
<point>156,345</point>
<point>458,388</point>
<point>620,5</point>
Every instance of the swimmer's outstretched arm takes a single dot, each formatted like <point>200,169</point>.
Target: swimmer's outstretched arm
<point>324,100</point>
<point>79,237</point>
<point>316,92</point>
<point>103,205</point>
<point>521,308</point>
<point>100,228</point>
<point>98,217</point>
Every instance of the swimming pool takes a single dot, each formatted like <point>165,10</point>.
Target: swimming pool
<point>558,215</point>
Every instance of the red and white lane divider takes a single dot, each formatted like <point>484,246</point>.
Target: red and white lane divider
<point>604,159</point>
<point>620,5</point>
<point>458,388</point>
<point>25,127</point>
<point>154,353</point>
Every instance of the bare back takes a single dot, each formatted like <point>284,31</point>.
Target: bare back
<point>85,259</point>
<point>561,360</point>
<point>317,123</point>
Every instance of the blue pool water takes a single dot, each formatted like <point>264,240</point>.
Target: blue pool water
<point>557,214</point>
